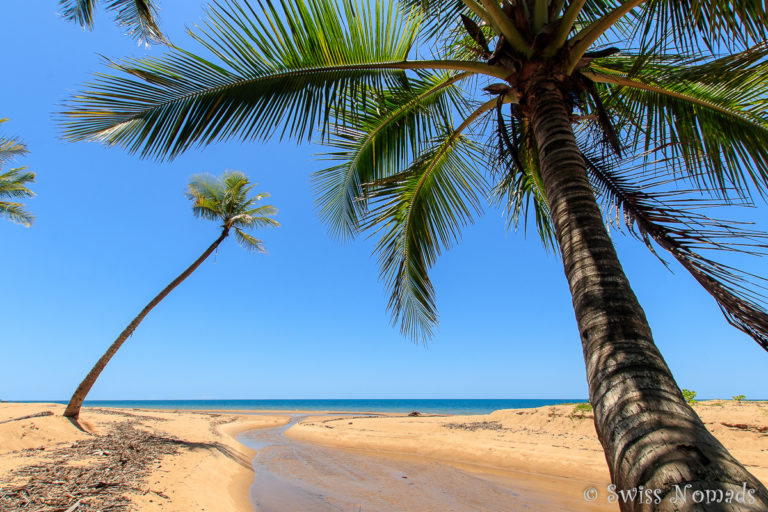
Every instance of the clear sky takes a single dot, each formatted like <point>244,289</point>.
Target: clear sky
<point>309,319</point>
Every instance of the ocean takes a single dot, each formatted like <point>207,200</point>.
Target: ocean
<point>430,406</point>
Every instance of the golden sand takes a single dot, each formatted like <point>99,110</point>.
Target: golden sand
<point>555,447</point>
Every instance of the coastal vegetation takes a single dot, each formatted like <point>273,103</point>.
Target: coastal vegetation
<point>648,109</point>
<point>13,182</point>
<point>228,200</point>
<point>585,407</point>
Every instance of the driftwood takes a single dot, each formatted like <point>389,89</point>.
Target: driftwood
<point>38,415</point>
<point>749,428</point>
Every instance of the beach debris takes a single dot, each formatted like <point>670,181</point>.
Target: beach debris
<point>108,469</point>
<point>477,425</point>
<point>129,414</point>
<point>744,426</point>
<point>217,422</point>
<point>414,413</point>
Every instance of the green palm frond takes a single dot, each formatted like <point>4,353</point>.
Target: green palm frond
<point>79,11</point>
<point>276,71</point>
<point>138,16</point>
<point>15,212</point>
<point>419,213</point>
<point>13,183</point>
<point>711,114</point>
<point>691,24</point>
<point>654,209</point>
<point>256,217</point>
<point>206,192</point>
<point>520,190</point>
<point>437,14</point>
<point>10,148</point>
<point>378,139</point>
<point>248,242</point>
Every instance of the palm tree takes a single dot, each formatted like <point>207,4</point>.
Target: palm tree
<point>13,183</point>
<point>139,16</point>
<point>422,101</point>
<point>226,199</point>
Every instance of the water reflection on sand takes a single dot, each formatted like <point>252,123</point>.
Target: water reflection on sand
<point>293,476</point>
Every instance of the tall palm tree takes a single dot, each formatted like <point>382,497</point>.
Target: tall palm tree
<point>560,103</point>
<point>13,183</point>
<point>227,199</point>
<point>138,16</point>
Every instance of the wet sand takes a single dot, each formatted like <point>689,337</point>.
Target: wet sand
<point>292,475</point>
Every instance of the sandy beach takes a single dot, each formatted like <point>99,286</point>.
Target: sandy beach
<point>194,464</point>
<point>194,461</point>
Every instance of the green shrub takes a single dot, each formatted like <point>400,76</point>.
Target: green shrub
<point>585,407</point>
<point>690,396</point>
<point>739,398</point>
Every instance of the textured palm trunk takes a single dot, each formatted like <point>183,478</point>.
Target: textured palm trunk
<point>650,436</point>
<point>76,402</point>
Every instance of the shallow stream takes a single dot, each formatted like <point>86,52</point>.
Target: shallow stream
<point>294,476</point>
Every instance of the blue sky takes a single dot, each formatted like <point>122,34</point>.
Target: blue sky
<point>308,320</point>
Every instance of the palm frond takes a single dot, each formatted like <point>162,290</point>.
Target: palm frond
<point>15,212</point>
<point>79,11</point>
<point>711,114</point>
<point>256,218</point>
<point>691,24</point>
<point>13,183</point>
<point>654,210</point>
<point>206,193</point>
<point>437,14</point>
<point>378,139</point>
<point>276,70</point>
<point>420,213</point>
<point>520,190</point>
<point>10,147</point>
<point>248,242</point>
<point>138,16</point>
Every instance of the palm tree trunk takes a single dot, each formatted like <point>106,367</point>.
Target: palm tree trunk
<point>651,437</point>
<point>76,402</point>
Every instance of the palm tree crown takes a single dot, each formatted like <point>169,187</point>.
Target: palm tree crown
<point>228,200</point>
<point>13,183</point>
<point>411,135</point>
<point>651,107</point>
<point>138,16</point>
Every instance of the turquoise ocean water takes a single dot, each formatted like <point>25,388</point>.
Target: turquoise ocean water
<point>437,406</point>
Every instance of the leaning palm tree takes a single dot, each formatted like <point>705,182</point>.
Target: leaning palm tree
<point>226,199</point>
<point>645,107</point>
<point>138,16</point>
<point>13,183</point>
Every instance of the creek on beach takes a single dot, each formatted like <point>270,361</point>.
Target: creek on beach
<point>295,476</point>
